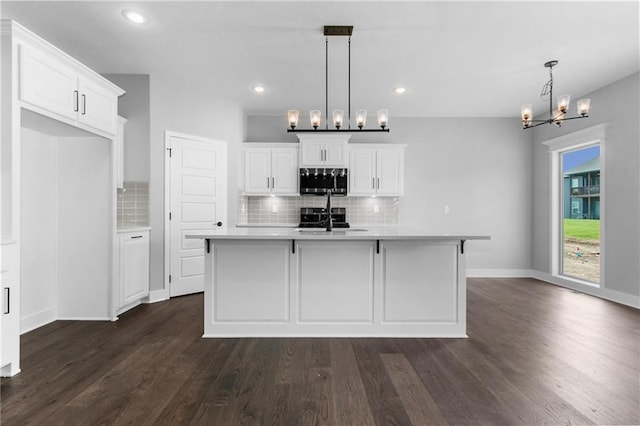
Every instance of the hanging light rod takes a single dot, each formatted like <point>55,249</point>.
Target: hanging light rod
<point>337,114</point>
<point>559,115</point>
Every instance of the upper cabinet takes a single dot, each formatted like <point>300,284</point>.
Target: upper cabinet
<point>271,169</point>
<point>376,169</point>
<point>323,150</point>
<point>55,85</point>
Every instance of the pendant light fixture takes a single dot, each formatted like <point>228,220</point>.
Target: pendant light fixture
<point>559,115</point>
<point>340,121</point>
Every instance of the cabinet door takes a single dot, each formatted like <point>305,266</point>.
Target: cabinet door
<point>257,171</point>
<point>335,154</point>
<point>284,170</point>
<point>312,154</point>
<point>134,267</point>
<point>390,171</point>
<point>98,107</point>
<point>47,83</point>
<point>362,166</point>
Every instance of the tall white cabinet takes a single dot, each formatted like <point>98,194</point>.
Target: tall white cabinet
<point>376,169</point>
<point>57,103</point>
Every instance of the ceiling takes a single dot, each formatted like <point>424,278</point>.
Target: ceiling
<point>456,59</point>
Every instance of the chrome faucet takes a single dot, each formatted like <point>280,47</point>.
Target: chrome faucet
<point>329,219</point>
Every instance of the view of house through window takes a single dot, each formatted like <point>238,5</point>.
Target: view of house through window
<point>581,213</point>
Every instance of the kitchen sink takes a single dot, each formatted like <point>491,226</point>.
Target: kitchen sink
<point>320,231</point>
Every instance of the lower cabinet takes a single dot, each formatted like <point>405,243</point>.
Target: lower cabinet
<point>133,268</point>
<point>9,314</point>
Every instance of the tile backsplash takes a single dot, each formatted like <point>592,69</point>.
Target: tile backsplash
<point>286,210</point>
<point>133,204</point>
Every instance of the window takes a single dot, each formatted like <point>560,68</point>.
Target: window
<point>580,242</point>
<point>577,206</point>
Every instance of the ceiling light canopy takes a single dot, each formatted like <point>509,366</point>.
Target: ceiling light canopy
<point>341,122</point>
<point>559,115</point>
<point>135,17</point>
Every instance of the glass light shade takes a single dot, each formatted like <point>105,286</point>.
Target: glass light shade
<point>338,117</point>
<point>361,118</point>
<point>526,112</point>
<point>383,117</point>
<point>563,103</point>
<point>583,106</point>
<point>293,115</point>
<point>314,116</point>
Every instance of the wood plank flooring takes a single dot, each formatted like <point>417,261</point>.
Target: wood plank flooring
<point>536,354</point>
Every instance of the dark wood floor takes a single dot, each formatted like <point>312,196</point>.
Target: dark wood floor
<point>536,354</point>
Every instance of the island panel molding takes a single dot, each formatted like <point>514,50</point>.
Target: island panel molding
<point>281,282</point>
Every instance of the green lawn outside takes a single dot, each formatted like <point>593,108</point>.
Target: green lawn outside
<point>588,229</point>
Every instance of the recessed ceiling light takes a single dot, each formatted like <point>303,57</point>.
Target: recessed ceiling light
<point>399,90</point>
<point>258,89</point>
<point>135,17</point>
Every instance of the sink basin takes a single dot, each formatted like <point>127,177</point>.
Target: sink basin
<point>320,231</point>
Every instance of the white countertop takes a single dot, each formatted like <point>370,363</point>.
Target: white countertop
<point>133,228</point>
<point>380,233</point>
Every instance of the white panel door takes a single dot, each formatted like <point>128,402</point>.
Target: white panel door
<point>257,171</point>
<point>46,83</point>
<point>98,107</point>
<point>362,168</point>
<point>284,171</point>
<point>198,192</point>
<point>390,170</point>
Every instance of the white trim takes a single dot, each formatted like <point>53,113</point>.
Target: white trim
<point>38,319</point>
<point>84,319</point>
<point>584,137</point>
<point>157,296</point>
<point>167,224</point>
<point>601,292</point>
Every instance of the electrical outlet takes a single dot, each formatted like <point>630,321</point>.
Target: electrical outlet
<point>274,208</point>
<point>446,209</point>
<point>376,208</point>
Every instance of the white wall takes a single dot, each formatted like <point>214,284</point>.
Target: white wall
<point>39,232</point>
<point>186,107</point>
<point>480,168</point>
<point>134,106</point>
<point>619,105</point>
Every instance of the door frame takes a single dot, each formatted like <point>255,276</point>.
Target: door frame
<point>168,134</point>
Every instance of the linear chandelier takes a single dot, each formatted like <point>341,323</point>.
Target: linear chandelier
<point>338,116</point>
<point>559,115</point>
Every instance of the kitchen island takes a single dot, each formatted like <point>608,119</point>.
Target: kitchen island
<point>386,282</point>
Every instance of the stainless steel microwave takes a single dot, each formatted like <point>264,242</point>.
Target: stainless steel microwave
<point>316,181</point>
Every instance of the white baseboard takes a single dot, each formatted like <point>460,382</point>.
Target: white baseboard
<point>157,296</point>
<point>33,321</point>
<point>602,292</point>
<point>499,273</point>
<point>84,319</point>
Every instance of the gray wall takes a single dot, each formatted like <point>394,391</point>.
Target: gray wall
<point>617,104</point>
<point>186,107</point>
<point>135,107</point>
<point>480,168</point>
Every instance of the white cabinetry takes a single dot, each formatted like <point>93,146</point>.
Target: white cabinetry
<point>133,262</point>
<point>9,313</point>
<point>52,83</point>
<point>119,152</point>
<point>271,169</point>
<point>323,150</point>
<point>376,169</point>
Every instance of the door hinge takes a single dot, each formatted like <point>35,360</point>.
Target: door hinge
<point>169,279</point>
<point>169,215</point>
<point>169,149</point>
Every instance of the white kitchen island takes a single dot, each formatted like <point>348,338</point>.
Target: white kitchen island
<point>388,282</point>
